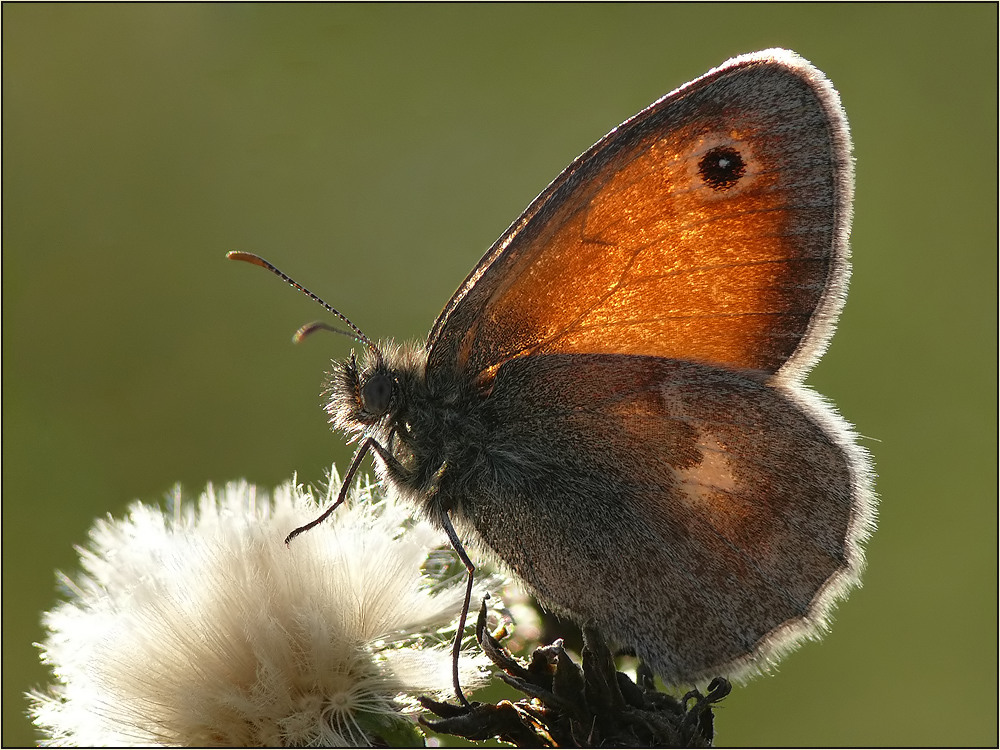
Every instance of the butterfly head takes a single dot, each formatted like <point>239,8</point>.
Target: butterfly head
<point>361,393</point>
<point>369,393</point>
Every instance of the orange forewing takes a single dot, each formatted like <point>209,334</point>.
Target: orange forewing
<point>634,250</point>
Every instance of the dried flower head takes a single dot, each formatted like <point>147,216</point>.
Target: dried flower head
<point>570,706</point>
<point>200,627</point>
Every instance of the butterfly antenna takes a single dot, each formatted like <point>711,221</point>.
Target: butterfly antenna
<point>317,325</point>
<point>355,332</point>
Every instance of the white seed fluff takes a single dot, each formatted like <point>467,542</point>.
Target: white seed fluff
<point>201,627</point>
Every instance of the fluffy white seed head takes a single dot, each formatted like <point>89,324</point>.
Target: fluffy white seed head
<point>200,627</point>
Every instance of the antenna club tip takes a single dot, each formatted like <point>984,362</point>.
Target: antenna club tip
<point>309,328</point>
<point>240,255</point>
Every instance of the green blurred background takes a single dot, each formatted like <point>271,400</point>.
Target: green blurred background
<point>374,152</point>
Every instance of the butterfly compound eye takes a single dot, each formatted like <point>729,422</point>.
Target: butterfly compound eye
<point>376,392</point>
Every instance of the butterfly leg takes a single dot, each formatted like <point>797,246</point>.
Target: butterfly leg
<point>393,465</point>
<point>341,496</point>
<point>457,647</point>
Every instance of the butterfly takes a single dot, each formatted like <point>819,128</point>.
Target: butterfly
<point>612,404</point>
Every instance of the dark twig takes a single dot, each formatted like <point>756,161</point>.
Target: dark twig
<point>570,706</point>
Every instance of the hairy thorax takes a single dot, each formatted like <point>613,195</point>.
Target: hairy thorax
<point>435,434</point>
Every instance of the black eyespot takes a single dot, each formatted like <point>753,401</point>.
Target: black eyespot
<point>376,393</point>
<point>722,167</point>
